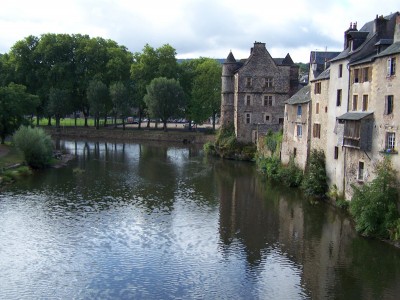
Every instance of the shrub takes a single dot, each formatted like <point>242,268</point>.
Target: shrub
<point>35,145</point>
<point>291,175</point>
<point>315,180</point>
<point>374,205</point>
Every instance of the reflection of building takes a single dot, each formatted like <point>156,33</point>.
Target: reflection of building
<point>353,116</point>
<point>254,91</point>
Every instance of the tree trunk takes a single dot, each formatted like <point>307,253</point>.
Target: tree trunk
<point>123,123</point>
<point>49,121</point>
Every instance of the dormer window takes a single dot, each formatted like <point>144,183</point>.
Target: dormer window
<point>268,82</point>
<point>248,82</point>
<point>350,46</point>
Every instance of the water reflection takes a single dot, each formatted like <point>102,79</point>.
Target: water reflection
<point>149,221</point>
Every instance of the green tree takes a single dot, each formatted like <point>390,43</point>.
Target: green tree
<point>120,98</point>
<point>98,95</point>
<point>59,104</point>
<point>314,182</point>
<point>374,205</point>
<point>186,79</point>
<point>206,94</point>
<point>35,144</point>
<point>15,104</point>
<point>150,64</point>
<point>165,98</point>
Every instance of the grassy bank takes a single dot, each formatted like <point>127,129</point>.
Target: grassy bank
<point>11,164</point>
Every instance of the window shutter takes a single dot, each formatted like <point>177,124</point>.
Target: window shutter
<point>386,105</point>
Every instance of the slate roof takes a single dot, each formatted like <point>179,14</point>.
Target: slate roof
<point>230,58</point>
<point>324,75</point>
<point>354,115</point>
<point>302,96</point>
<point>392,49</point>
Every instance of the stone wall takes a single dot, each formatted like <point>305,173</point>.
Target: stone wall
<point>131,135</point>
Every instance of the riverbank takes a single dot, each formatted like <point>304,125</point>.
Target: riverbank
<point>132,135</point>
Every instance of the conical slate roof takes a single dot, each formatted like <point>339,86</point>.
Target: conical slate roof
<point>230,58</point>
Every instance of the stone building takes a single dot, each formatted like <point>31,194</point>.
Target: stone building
<point>299,131</point>
<point>354,114</point>
<point>296,140</point>
<point>254,92</point>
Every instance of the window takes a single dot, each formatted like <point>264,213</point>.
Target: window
<point>336,153</point>
<point>317,88</point>
<point>326,109</point>
<point>299,129</point>
<point>389,104</point>
<point>391,66</point>
<point>390,140</point>
<point>267,118</point>
<point>317,108</point>
<point>268,100</point>
<point>356,78</point>
<point>248,82</point>
<point>299,110</point>
<point>340,70</point>
<point>294,152</point>
<point>248,100</point>
<point>355,100</point>
<point>280,120</point>
<point>360,171</point>
<point>352,135</point>
<point>317,130</point>
<point>339,98</point>
<point>269,82</point>
<point>365,103</point>
<point>248,118</point>
<point>365,74</point>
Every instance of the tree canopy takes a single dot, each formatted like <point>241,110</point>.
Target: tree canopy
<point>165,98</point>
<point>15,104</point>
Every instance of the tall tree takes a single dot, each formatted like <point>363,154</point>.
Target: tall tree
<point>120,99</point>
<point>150,64</point>
<point>97,94</point>
<point>59,104</point>
<point>206,93</point>
<point>15,103</point>
<point>165,98</point>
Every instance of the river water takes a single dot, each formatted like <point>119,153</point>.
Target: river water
<point>150,221</point>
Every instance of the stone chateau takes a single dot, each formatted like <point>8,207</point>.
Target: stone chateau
<point>350,108</point>
<point>254,92</point>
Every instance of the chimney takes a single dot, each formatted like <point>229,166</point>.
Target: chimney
<point>380,26</point>
<point>396,36</point>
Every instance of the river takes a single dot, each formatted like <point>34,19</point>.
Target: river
<point>157,221</point>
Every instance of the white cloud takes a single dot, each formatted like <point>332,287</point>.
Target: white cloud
<point>195,27</point>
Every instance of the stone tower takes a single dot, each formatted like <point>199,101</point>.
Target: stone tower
<point>227,91</point>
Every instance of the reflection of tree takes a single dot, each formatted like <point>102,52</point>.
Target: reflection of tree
<point>159,175</point>
<point>243,214</point>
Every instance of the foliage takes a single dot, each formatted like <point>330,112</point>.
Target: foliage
<point>150,64</point>
<point>97,94</point>
<point>273,140</point>
<point>35,145</point>
<point>338,197</point>
<point>59,104</point>
<point>165,98</point>
<point>15,103</point>
<point>206,92</point>
<point>227,146</point>
<point>67,62</point>
<point>291,175</point>
<point>120,100</point>
<point>315,180</point>
<point>374,205</point>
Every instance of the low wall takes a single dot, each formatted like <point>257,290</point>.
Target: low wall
<point>131,135</point>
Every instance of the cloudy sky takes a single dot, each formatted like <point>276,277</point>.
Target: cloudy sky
<point>195,28</point>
